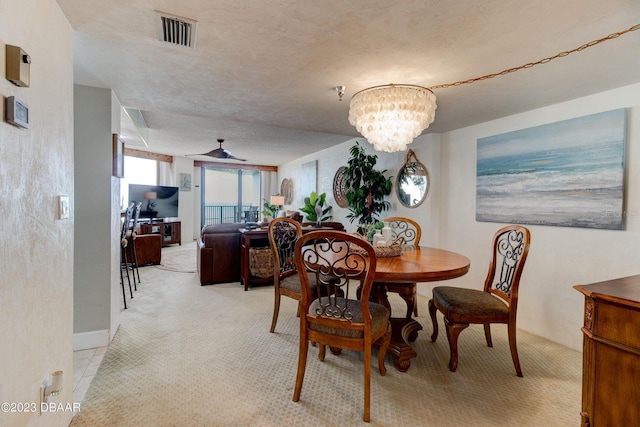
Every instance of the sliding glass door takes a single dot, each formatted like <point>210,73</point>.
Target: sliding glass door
<point>230,195</point>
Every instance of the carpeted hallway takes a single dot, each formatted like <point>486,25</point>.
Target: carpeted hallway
<point>191,355</point>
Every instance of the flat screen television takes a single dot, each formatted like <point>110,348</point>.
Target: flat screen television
<point>157,201</point>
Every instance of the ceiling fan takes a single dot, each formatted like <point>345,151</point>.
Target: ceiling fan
<point>219,153</point>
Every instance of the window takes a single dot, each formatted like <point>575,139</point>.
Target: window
<point>137,171</point>
<point>230,195</point>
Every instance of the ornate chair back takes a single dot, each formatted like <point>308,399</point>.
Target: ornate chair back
<point>340,260</point>
<point>406,228</point>
<point>283,234</point>
<point>136,218</point>
<point>125,224</point>
<point>509,253</point>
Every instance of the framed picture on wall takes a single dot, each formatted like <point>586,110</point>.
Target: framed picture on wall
<point>567,174</point>
<point>118,156</point>
<point>308,179</point>
<point>185,182</point>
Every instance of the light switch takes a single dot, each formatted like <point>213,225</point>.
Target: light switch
<point>63,207</point>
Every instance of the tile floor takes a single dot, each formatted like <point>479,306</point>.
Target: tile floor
<point>85,366</point>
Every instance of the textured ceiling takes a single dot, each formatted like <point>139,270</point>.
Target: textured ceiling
<point>262,74</point>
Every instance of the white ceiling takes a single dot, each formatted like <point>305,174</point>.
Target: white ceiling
<point>263,72</point>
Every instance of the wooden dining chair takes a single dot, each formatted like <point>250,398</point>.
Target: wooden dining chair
<point>497,303</point>
<point>339,320</point>
<point>411,233</point>
<point>283,234</point>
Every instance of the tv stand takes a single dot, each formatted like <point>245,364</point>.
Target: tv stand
<point>167,228</point>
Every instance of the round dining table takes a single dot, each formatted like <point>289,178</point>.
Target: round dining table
<point>414,264</point>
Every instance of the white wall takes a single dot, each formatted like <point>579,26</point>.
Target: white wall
<point>97,289</point>
<point>560,257</point>
<point>186,203</point>
<point>36,249</point>
<point>197,198</point>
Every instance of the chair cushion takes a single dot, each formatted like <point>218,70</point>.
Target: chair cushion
<point>466,305</point>
<point>379,314</point>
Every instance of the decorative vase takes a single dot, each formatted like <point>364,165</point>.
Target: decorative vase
<point>386,233</point>
<point>318,215</point>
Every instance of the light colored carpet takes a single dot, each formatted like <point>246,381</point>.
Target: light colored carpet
<point>188,355</point>
<point>181,259</point>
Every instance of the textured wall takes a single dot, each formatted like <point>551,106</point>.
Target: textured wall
<point>36,250</point>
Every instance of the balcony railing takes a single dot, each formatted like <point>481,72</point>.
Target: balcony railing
<point>224,214</point>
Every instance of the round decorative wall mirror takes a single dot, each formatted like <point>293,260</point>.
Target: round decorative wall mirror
<point>412,182</point>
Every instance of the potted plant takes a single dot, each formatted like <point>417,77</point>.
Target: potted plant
<point>366,188</point>
<point>314,208</point>
<point>269,211</point>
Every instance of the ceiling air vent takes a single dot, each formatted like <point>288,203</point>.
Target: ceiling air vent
<point>176,30</point>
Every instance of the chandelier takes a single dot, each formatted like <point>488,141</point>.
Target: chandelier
<point>392,116</point>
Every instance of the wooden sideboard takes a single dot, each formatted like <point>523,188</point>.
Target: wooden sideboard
<point>611,354</point>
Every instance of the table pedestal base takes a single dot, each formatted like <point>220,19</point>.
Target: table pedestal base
<point>403,331</point>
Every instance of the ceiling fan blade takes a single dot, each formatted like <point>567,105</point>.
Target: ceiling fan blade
<point>219,153</point>
<point>235,158</point>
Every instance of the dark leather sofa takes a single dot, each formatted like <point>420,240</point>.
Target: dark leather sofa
<point>218,252</point>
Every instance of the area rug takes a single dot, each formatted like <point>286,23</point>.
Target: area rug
<point>181,260</point>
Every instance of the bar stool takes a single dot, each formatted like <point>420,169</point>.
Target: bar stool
<point>131,242</point>
<point>123,253</point>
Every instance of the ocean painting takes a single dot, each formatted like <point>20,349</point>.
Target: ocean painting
<point>568,173</point>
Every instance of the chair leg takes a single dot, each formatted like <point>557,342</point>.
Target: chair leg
<point>384,346</point>
<point>487,334</point>
<point>276,310</point>
<point>514,349</point>
<point>302,364</point>
<point>135,259</point>
<point>453,330</point>
<point>367,383</point>
<point>126,267</point>
<point>322,351</point>
<point>124,294</point>
<point>432,312</point>
<point>129,265</point>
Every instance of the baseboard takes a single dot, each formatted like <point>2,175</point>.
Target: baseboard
<point>93,339</point>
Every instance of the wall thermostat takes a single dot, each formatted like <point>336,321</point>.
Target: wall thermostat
<point>17,112</point>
